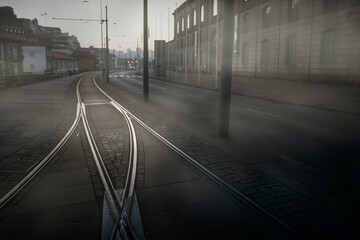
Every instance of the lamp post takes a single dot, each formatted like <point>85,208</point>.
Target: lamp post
<point>146,56</point>
<point>107,47</point>
<point>102,44</point>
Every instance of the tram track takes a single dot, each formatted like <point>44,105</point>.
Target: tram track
<point>274,220</point>
<point>121,204</point>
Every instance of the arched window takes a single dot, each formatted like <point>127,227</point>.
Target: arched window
<point>245,54</point>
<point>178,27</point>
<point>235,47</point>
<point>182,24</point>
<point>194,17</point>
<point>202,13</point>
<point>188,21</point>
<point>215,7</point>
<point>327,49</point>
<point>290,50</point>
<point>293,10</point>
<point>246,23</point>
<point>330,6</point>
<point>266,17</point>
<point>265,52</point>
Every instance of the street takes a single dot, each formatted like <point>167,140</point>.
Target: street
<point>318,138</point>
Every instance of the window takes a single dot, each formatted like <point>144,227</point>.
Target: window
<point>235,47</point>
<point>327,50</point>
<point>293,10</point>
<point>178,27</point>
<point>266,17</point>
<point>31,53</point>
<point>195,43</point>
<point>32,66</point>
<point>330,6</point>
<point>182,24</point>
<point>245,54</point>
<point>188,21</point>
<point>215,8</point>
<point>194,17</point>
<point>290,50</point>
<point>246,23</point>
<point>202,14</point>
<point>265,52</point>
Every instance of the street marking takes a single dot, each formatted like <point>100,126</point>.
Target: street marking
<point>158,87</point>
<point>96,103</point>
<point>265,113</point>
<point>190,95</point>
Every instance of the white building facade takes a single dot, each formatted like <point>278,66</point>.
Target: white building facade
<point>35,58</point>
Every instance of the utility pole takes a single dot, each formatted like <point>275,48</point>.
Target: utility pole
<point>168,61</point>
<point>161,49</point>
<point>102,45</point>
<point>107,47</point>
<point>186,43</point>
<point>146,55</point>
<point>217,49</point>
<point>226,68</point>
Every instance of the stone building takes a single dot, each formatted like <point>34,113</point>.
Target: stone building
<point>12,36</point>
<point>301,40</point>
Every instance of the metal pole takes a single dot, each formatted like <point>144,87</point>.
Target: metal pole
<point>217,49</point>
<point>186,43</point>
<point>176,50</point>
<point>198,42</point>
<point>146,55</point>
<point>161,49</point>
<point>107,48</point>
<point>168,62</point>
<point>226,68</point>
<point>102,44</point>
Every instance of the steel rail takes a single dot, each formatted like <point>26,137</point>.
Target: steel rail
<point>233,191</point>
<point>112,197</point>
<point>14,191</point>
<point>128,193</point>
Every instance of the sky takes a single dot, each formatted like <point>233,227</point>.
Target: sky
<point>125,19</point>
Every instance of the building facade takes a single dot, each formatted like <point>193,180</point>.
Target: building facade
<point>63,63</point>
<point>12,36</point>
<point>37,58</point>
<point>301,40</point>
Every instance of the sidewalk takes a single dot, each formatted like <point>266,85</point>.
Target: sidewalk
<point>345,99</point>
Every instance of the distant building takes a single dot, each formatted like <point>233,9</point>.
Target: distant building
<point>96,52</point>
<point>160,58</point>
<point>63,63</point>
<point>12,36</point>
<point>37,57</point>
<point>302,40</point>
<point>86,60</point>
<point>169,56</point>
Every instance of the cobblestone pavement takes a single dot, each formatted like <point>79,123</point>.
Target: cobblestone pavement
<point>307,214</point>
<point>20,196</point>
<point>44,142</point>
